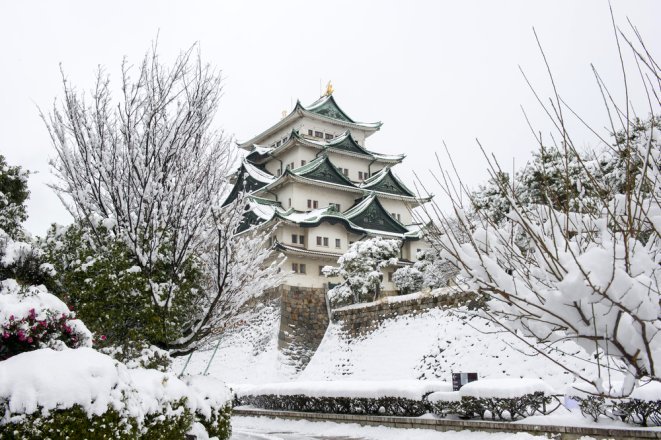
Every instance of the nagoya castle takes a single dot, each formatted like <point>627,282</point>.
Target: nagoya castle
<point>312,176</point>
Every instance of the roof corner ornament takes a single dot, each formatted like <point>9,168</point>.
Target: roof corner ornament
<point>329,89</point>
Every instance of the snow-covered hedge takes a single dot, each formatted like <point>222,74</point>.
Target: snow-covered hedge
<point>32,318</point>
<point>68,393</point>
<point>641,407</point>
<point>407,389</point>
<point>397,398</point>
<point>502,399</point>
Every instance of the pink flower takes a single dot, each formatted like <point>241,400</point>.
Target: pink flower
<point>103,337</point>
<point>32,313</point>
<point>29,340</point>
<point>21,335</point>
<point>67,329</point>
<point>11,317</point>
<point>5,335</point>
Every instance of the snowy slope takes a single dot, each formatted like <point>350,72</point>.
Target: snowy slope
<point>248,354</point>
<point>430,346</point>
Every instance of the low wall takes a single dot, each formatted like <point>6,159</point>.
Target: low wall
<point>556,432</point>
<point>359,319</point>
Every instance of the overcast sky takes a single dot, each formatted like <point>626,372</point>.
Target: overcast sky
<point>431,71</point>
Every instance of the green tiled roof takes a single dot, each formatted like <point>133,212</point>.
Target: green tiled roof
<point>370,214</point>
<point>322,169</point>
<point>385,181</point>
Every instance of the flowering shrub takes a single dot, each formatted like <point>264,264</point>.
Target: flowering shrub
<point>32,318</point>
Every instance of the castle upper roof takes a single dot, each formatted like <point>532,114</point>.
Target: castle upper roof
<point>324,109</point>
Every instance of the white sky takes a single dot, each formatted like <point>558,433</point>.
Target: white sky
<point>431,71</point>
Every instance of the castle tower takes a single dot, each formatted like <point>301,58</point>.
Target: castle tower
<point>311,176</point>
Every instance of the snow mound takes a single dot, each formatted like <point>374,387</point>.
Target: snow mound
<point>407,389</point>
<point>46,380</point>
<point>649,392</point>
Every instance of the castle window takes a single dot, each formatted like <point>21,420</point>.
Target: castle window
<point>301,268</point>
<point>301,239</point>
<point>390,277</point>
<point>338,243</point>
<point>321,270</point>
<point>309,132</point>
<point>294,238</point>
<point>292,165</point>
<point>345,171</point>
<point>315,204</point>
<point>318,134</point>
<point>309,204</point>
<point>335,205</point>
<point>303,162</point>
<point>360,175</point>
<point>318,241</point>
<point>290,202</point>
<point>399,218</point>
<point>277,144</point>
<point>278,172</point>
<point>326,241</point>
<point>294,267</point>
<point>287,166</point>
<point>329,136</point>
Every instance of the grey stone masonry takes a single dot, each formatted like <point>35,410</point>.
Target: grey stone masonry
<point>357,320</point>
<point>303,322</point>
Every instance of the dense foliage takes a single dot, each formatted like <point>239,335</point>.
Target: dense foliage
<point>360,268</point>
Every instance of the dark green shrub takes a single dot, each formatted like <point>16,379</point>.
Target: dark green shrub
<point>72,423</point>
<point>218,424</point>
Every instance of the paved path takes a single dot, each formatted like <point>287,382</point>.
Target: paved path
<point>259,434</point>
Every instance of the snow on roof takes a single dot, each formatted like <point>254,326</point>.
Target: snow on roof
<point>258,174</point>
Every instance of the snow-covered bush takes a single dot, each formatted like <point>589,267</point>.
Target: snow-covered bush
<point>360,267</point>
<point>83,391</point>
<point>503,399</point>
<point>641,407</point>
<point>157,181</point>
<point>396,398</point>
<point>574,253</point>
<point>30,316</point>
<point>102,281</point>
<point>408,279</point>
<point>13,194</point>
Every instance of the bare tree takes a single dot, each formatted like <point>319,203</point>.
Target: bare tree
<point>588,273</point>
<point>150,168</point>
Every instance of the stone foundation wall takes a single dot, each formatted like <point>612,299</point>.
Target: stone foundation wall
<point>303,322</point>
<point>358,320</point>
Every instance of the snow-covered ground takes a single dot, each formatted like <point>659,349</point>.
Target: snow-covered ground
<point>248,354</point>
<point>262,428</point>
<point>432,345</point>
<point>429,346</point>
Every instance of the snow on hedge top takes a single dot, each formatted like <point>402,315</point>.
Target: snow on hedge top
<point>408,389</point>
<point>650,392</point>
<point>48,379</point>
<point>505,388</point>
<point>45,379</point>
